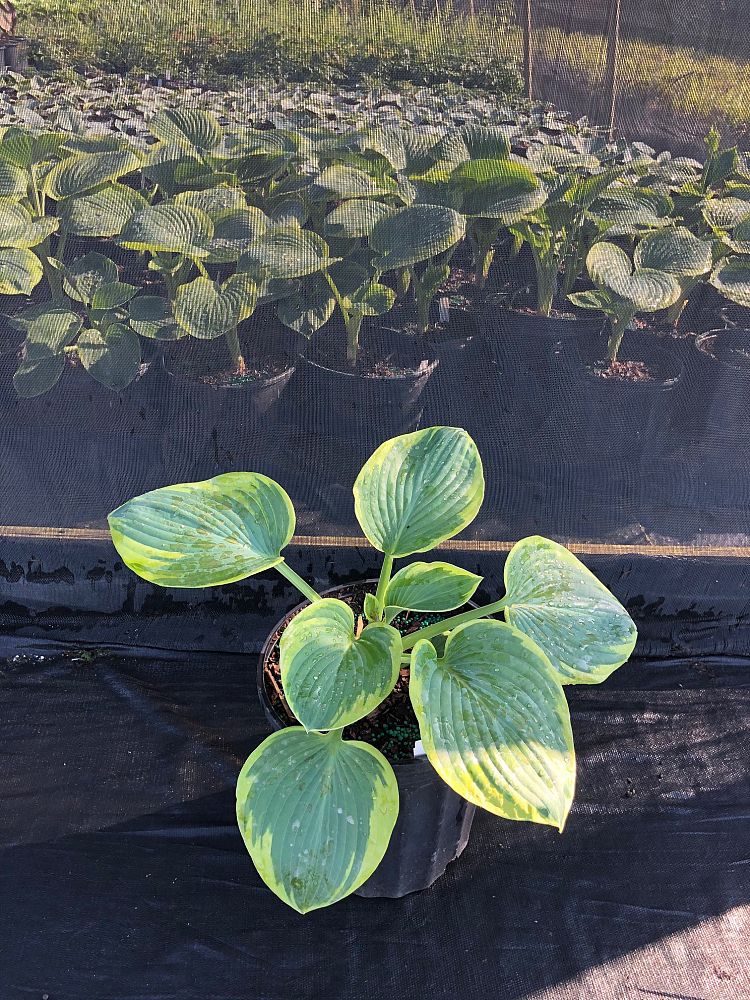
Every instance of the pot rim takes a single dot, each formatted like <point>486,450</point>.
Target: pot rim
<point>703,339</point>
<point>429,367</point>
<point>261,383</point>
<point>263,697</point>
<point>576,323</point>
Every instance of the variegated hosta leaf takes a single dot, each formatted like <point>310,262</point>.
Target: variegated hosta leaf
<point>82,172</point>
<point>414,234</point>
<point>419,489</point>
<point>436,586</point>
<point>549,157</point>
<point>186,127</point>
<point>675,251</point>
<point>339,182</point>
<point>645,289</point>
<point>13,181</point>
<point>494,722</point>
<point>20,272</point>
<point>19,230</point>
<point>112,355</point>
<point>553,598</point>
<point>85,275</point>
<point>204,534</point>
<point>287,252</point>
<point>629,211</point>
<point>151,316</point>
<point>356,218</point>
<point>169,228</point>
<point>498,189</point>
<point>732,279</point>
<point>316,814</point>
<point>330,676</point>
<point>101,213</point>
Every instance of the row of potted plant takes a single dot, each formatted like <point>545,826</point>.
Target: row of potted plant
<point>371,252</point>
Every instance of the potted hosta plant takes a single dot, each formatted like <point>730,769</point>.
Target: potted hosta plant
<point>624,392</point>
<point>723,355</point>
<point>324,812</point>
<point>367,357</point>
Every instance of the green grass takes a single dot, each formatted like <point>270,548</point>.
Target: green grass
<point>327,41</point>
<point>681,79</point>
<point>283,39</point>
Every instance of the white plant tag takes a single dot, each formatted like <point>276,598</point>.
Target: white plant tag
<point>444,309</point>
<point>418,749</point>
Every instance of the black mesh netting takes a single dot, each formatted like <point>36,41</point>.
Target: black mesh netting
<point>123,875</point>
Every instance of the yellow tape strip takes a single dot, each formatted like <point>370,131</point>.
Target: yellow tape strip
<point>21,531</point>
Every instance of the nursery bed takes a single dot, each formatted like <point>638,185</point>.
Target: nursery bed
<point>123,875</point>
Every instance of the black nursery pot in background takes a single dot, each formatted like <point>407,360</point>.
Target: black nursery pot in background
<point>380,398</point>
<point>720,380</point>
<point>629,417</point>
<point>434,823</point>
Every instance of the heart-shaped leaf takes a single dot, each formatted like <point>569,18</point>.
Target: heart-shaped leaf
<point>187,127</point>
<point>316,814</point>
<point>436,586</point>
<point>645,289</point>
<point>330,677</point>
<point>356,219</point>
<point>287,252</point>
<point>52,331</point>
<point>204,534</point>
<point>101,213</point>
<point>739,241</point>
<point>204,311</point>
<point>37,375</point>
<point>19,230</point>
<point>419,489</point>
<point>20,272</point>
<point>732,279</point>
<point>13,181</point>
<point>82,172</point>
<point>112,356</point>
<point>151,316</point>
<point>215,202</point>
<point>339,182</point>
<point>630,210</point>
<point>85,275</point>
<point>169,228</point>
<point>725,213</point>
<point>112,295</point>
<point>553,598</point>
<point>498,189</point>
<point>676,251</point>
<point>494,722</point>
<point>414,234</point>
<point>235,232</point>
<point>308,307</point>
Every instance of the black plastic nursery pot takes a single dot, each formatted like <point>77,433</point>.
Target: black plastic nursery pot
<point>434,823</point>
<point>721,371</point>
<point>629,417</point>
<point>381,397</point>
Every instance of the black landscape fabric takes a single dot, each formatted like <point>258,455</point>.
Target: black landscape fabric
<point>123,875</point>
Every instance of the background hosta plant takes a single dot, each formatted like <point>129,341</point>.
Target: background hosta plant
<point>317,811</point>
<point>624,289</point>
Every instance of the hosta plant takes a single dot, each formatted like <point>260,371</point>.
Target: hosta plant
<point>316,811</point>
<point>624,289</point>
